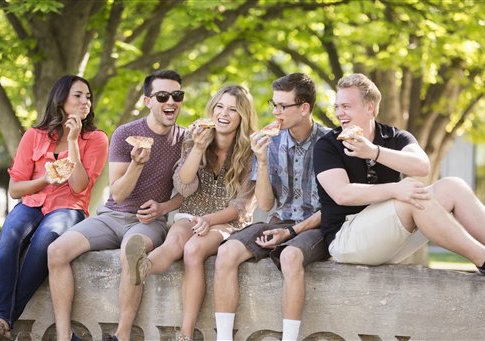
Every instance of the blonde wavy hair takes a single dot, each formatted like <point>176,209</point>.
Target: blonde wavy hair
<point>241,154</point>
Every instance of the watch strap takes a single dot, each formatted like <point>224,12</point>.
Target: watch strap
<point>292,231</point>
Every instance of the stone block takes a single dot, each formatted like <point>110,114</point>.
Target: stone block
<point>343,302</point>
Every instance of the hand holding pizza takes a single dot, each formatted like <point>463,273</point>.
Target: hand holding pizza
<point>59,171</point>
<point>261,139</point>
<point>272,129</point>
<point>259,145</point>
<point>205,123</point>
<point>140,154</point>
<point>202,137</point>
<point>356,144</point>
<point>350,133</point>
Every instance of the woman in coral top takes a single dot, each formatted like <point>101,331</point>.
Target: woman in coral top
<point>47,208</point>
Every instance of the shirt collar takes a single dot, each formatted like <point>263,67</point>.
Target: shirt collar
<point>382,132</point>
<point>304,144</point>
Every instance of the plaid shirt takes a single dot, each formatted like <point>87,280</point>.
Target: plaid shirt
<point>290,167</point>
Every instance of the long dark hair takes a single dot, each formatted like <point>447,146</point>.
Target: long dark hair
<point>54,114</point>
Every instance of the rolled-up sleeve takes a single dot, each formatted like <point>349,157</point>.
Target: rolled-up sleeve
<point>23,165</point>
<point>184,189</point>
<point>244,202</point>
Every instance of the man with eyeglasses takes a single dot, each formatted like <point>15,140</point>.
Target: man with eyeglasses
<point>283,171</point>
<point>372,215</point>
<point>139,202</point>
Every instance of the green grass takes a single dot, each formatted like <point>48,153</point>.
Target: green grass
<point>450,261</point>
<point>447,258</point>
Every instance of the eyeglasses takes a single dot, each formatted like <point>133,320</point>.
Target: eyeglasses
<point>280,107</point>
<point>163,96</point>
<point>371,172</point>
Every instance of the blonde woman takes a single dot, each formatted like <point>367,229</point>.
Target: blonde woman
<point>213,175</point>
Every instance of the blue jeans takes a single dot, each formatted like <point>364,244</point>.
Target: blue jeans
<point>27,230</point>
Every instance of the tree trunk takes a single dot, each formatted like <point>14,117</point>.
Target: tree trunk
<point>390,108</point>
<point>10,128</point>
<point>61,42</point>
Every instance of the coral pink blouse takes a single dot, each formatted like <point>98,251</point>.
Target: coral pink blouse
<point>36,148</point>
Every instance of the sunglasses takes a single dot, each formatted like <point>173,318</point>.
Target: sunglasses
<point>163,96</point>
<point>371,172</point>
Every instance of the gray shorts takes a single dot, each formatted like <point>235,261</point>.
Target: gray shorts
<point>108,229</point>
<point>310,242</point>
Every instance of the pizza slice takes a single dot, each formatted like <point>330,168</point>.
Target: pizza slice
<point>348,132</point>
<point>272,129</point>
<point>205,123</point>
<point>59,170</point>
<point>140,141</point>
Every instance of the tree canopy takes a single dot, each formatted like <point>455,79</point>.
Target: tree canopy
<point>426,56</point>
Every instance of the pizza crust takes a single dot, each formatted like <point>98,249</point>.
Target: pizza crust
<point>272,129</point>
<point>205,123</point>
<point>347,133</point>
<point>140,141</point>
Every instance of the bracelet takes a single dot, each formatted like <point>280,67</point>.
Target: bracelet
<point>378,152</point>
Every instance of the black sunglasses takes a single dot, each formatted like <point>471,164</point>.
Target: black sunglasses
<point>163,96</point>
<point>371,172</point>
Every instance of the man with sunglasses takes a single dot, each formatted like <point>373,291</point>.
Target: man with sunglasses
<point>283,171</point>
<point>139,202</point>
<point>373,217</point>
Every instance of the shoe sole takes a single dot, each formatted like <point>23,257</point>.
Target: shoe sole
<point>4,329</point>
<point>135,251</point>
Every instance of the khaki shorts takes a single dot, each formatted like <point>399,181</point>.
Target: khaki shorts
<point>375,236</point>
<point>108,229</point>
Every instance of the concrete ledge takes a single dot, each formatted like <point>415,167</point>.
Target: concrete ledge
<point>343,302</point>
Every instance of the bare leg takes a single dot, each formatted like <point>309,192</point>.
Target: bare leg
<point>293,283</point>
<point>173,247</point>
<point>196,251</point>
<point>226,286</point>
<point>441,227</point>
<point>161,258</point>
<point>458,198</point>
<point>61,280</point>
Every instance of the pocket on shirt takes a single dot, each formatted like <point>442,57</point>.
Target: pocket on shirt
<point>38,153</point>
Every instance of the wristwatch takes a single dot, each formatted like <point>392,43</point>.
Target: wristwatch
<point>292,231</point>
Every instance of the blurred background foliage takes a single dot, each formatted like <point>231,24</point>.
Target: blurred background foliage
<point>426,56</point>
